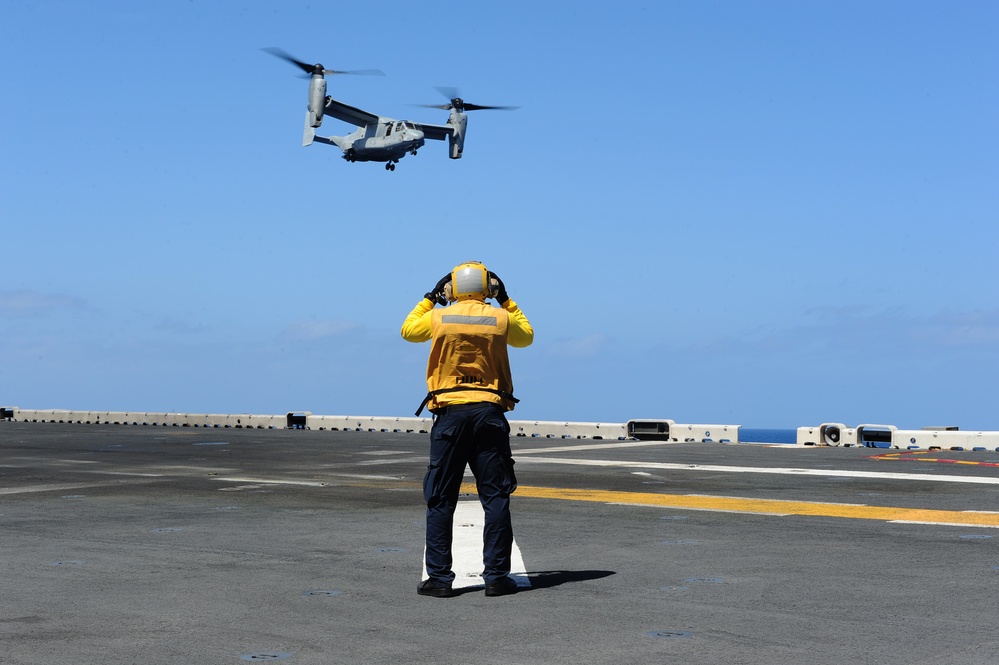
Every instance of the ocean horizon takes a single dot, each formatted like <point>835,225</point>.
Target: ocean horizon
<point>763,435</point>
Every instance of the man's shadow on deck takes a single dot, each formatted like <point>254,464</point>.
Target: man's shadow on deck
<point>551,578</point>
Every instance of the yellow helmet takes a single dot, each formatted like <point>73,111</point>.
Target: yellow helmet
<point>469,280</point>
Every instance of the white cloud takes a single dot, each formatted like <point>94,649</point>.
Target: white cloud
<point>977,328</point>
<point>578,347</point>
<point>177,326</point>
<point>858,333</point>
<point>305,331</point>
<point>26,303</point>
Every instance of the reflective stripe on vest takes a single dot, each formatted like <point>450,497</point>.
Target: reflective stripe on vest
<point>469,320</point>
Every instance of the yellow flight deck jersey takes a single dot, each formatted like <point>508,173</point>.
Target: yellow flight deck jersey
<point>469,348</point>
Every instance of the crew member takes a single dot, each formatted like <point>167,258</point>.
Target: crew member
<point>470,390</point>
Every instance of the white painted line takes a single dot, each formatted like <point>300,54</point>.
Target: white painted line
<point>268,481</point>
<point>196,469</point>
<point>363,476</point>
<point>398,460</point>
<point>981,526</point>
<point>826,473</point>
<point>593,446</point>
<point>466,550</point>
<point>27,489</point>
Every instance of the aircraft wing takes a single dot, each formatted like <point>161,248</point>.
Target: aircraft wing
<point>354,116</point>
<point>437,132</point>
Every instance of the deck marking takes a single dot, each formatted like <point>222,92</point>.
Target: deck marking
<point>270,481</point>
<point>914,456</point>
<point>773,507</point>
<point>466,548</point>
<point>53,487</point>
<point>367,476</point>
<point>591,446</point>
<point>987,526</point>
<point>825,473</point>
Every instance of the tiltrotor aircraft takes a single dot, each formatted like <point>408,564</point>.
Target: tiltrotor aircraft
<point>378,138</point>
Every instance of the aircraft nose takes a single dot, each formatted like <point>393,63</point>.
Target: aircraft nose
<point>416,134</point>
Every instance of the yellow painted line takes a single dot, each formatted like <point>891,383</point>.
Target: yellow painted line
<point>762,506</point>
<point>911,456</point>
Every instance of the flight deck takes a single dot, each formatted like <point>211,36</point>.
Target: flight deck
<point>127,544</point>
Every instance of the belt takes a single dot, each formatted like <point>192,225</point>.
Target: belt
<point>458,389</point>
<point>453,408</point>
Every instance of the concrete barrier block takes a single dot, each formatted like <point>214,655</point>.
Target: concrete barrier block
<point>55,416</point>
<point>567,430</point>
<point>410,425</point>
<point>945,440</point>
<point>267,421</point>
<point>212,420</point>
<point>808,436</point>
<point>157,418</point>
<point>706,433</point>
<point>236,420</point>
<point>25,415</point>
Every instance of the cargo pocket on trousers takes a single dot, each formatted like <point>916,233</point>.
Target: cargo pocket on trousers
<point>431,480</point>
<point>511,476</point>
<point>499,431</point>
<point>441,445</point>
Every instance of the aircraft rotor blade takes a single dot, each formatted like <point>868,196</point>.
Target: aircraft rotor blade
<point>318,68</point>
<point>356,72</point>
<point>449,92</point>
<point>458,104</point>
<point>477,107</point>
<point>306,67</point>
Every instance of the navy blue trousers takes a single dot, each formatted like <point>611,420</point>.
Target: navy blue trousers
<point>477,436</point>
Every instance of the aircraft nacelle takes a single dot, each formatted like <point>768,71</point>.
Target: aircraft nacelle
<point>317,100</point>
<point>456,140</point>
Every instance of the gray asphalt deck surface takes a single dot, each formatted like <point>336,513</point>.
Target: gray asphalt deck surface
<point>125,544</point>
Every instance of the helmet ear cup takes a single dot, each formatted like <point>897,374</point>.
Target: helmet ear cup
<point>449,293</point>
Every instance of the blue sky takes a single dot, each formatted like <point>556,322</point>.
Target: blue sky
<point>762,213</point>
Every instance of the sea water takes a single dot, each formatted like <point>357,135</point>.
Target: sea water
<point>752,435</point>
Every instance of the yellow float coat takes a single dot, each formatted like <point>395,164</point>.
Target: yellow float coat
<point>469,348</point>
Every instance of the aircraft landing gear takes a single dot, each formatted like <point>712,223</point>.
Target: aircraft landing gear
<point>390,166</point>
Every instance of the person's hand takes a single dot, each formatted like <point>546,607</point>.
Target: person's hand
<point>436,295</point>
<point>501,294</point>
